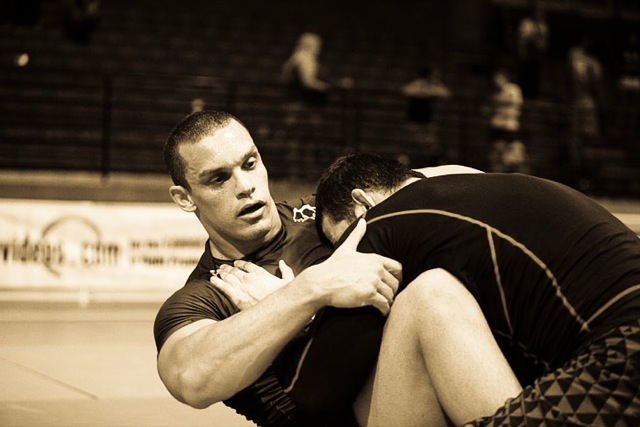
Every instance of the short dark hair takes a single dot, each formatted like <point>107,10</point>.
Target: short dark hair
<point>368,171</point>
<point>191,130</point>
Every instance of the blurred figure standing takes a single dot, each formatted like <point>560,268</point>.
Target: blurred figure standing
<point>532,42</point>
<point>507,152</point>
<point>301,73</point>
<point>586,94</point>
<point>585,75</point>
<point>306,93</point>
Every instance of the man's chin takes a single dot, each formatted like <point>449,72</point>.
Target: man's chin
<point>262,229</point>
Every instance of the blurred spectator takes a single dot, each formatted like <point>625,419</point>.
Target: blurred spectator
<point>507,152</point>
<point>532,40</point>
<point>80,19</point>
<point>422,94</point>
<point>586,93</point>
<point>307,93</point>
<point>301,74</point>
<point>586,90</point>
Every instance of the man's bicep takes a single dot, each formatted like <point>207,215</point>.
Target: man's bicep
<point>169,356</point>
<point>185,331</point>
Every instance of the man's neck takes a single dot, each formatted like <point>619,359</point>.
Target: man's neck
<point>407,182</point>
<point>232,251</point>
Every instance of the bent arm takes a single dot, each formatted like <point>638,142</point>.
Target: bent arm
<point>209,361</point>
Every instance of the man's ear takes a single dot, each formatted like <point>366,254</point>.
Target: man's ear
<point>182,198</point>
<point>363,201</point>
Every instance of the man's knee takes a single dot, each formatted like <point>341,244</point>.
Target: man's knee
<point>435,292</point>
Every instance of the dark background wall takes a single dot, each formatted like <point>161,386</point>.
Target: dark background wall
<point>102,94</point>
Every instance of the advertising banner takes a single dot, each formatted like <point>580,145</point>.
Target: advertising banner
<point>96,246</point>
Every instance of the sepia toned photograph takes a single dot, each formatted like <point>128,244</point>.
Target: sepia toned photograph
<point>298,213</point>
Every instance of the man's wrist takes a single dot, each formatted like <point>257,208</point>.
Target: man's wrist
<point>311,292</point>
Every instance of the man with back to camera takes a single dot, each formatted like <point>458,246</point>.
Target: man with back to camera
<point>209,350</point>
<point>556,276</point>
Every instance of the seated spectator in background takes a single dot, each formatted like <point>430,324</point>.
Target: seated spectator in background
<point>532,41</point>
<point>507,152</point>
<point>422,94</point>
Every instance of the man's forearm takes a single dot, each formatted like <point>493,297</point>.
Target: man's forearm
<point>218,360</point>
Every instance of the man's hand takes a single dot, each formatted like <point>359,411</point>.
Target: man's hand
<point>351,279</point>
<point>246,283</point>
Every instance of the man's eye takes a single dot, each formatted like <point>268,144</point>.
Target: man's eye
<point>218,179</point>
<point>251,163</point>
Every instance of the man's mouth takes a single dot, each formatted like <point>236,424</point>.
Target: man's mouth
<point>249,209</point>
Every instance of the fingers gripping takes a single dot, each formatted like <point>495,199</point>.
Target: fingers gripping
<point>382,303</point>
<point>247,266</point>
<point>222,285</point>
<point>386,291</point>
<point>231,274</point>
<point>231,286</point>
<point>393,270</point>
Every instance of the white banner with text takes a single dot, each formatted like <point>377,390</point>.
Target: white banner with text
<point>96,245</point>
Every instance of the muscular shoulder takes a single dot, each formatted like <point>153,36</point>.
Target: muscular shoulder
<point>197,300</point>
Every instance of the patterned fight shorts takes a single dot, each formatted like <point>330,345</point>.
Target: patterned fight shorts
<point>598,387</point>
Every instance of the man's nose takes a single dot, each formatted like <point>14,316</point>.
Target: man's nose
<point>244,185</point>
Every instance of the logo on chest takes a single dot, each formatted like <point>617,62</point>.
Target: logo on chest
<point>304,213</point>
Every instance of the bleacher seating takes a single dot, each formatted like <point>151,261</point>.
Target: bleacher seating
<point>108,104</point>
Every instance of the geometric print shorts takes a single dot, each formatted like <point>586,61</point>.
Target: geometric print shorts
<point>598,387</point>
